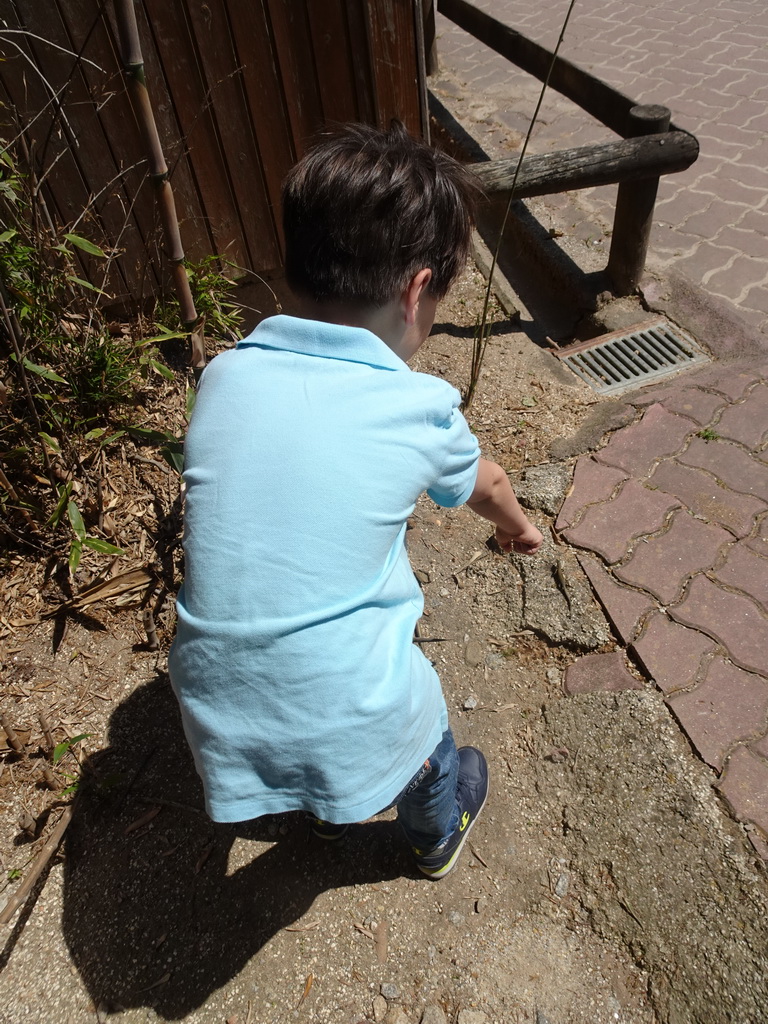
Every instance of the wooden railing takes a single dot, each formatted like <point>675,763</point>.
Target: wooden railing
<point>650,146</point>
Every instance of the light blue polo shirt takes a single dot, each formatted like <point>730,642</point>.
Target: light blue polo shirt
<point>299,684</point>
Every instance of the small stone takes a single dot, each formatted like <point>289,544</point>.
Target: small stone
<point>379,1008</point>
<point>421,575</point>
<point>456,918</point>
<point>541,1018</point>
<point>470,704</point>
<point>444,592</point>
<point>396,1015</point>
<point>433,1015</point>
<point>389,990</point>
<point>554,676</point>
<point>472,1017</point>
<point>562,884</point>
<point>474,653</point>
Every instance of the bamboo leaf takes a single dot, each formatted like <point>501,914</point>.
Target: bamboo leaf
<point>6,236</point>
<point>173,454</point>
<point>57,513</point>
<point>102,546</point>
<point>74,555</point>
<point>85,245</point>
<point>96,432</point>
<point>88,285</point>
<point>52,443</point>
<point>61,748</point>
<point>76,520</point>
<point>43,371</point>
<point>163,370</point>
<point>191,398</point>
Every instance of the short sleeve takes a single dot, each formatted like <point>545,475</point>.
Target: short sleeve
<point>456,459</point>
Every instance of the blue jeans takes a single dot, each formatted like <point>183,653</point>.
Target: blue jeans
<point>427,809</point>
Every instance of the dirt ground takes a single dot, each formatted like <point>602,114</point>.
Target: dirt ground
<point>604,883</point>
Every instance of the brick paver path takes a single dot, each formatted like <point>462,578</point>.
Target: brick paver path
<point>705,59</point>
<point>675,506</point>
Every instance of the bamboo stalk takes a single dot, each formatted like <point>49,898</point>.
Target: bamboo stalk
<point>43,857</point>
<point>133,67</point>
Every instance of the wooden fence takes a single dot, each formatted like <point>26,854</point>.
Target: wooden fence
<point>238,87</point>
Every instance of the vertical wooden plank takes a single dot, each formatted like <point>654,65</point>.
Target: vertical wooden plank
<point>180,66</point>
<point>234,128</point>
<point>394,62</point>
<point>360,56</point>
<point>333,59</point>
<point>296,61</point>
<point>266,102</point>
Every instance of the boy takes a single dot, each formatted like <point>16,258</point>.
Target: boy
<point>299,684</point>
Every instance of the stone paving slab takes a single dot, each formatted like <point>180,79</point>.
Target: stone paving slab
<point>671,654</point>
<point>726,709</point>
<point>663,564</point>
<point>594,672</point>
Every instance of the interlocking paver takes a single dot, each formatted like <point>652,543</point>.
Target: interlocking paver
<point>592,483</point>
<point>745,571</point>
<point>728,707</point>
<point>733,383</point>
<point>624,607</point>
<point>636,448</point>
<point>734,621</point>
<point>745,786</point>
<point>609,528</point>
<point>671,654</point>
<point>694,403</point>
<point>706,498</point>
<point>746,422</point>
<point>599,672</point>
<point>759,543</point>
<point>760,746</point>
<point>661,565</point>
<point>729,464</point>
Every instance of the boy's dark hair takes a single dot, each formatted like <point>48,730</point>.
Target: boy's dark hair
<point>365,209</point>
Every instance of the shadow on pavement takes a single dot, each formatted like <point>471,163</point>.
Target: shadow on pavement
<point>152,915</point>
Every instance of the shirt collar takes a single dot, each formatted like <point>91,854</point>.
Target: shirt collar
<point>329,341</point>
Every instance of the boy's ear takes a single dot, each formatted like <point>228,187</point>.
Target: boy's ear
<point>412,294</point>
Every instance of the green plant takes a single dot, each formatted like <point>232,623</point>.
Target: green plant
<point>708,434</point>
<point>59,751</point>
<point>212,294</point>
<point>14,874</point>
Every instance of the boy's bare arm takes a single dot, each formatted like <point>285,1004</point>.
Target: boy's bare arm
<point>494,499</point>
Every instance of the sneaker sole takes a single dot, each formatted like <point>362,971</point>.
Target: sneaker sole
<point>451,863</point>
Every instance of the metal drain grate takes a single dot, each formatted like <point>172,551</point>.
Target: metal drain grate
<point>628,359</point>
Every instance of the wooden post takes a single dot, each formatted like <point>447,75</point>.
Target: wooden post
<point>633,217</point>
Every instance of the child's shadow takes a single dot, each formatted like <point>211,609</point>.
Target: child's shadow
<point>151,916</point>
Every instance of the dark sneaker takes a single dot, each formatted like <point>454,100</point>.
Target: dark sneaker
<point>327,830</point>
<point>471,794</point>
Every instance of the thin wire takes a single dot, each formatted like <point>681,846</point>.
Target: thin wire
<point>477,358</point>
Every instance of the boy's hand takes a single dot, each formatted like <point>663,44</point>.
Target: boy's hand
<point>526,543</point>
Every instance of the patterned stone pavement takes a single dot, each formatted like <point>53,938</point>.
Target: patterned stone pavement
<point>672,520</point>
<point>671,516</point>
<point>705,59</point>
